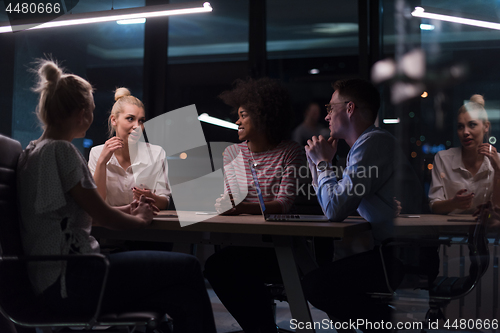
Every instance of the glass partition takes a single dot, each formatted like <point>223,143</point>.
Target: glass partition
<point>429,71</point>
<point>108,55</point>
<point>437,67</point>
<point>221,35</point>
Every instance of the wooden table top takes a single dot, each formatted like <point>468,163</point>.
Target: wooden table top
<point>255,224</point>
<point>433,224</point>
<point>167,222</point>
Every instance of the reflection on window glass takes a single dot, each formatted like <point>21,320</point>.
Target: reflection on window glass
<point>311,28</point>
<point>85,6</point>
<point>108,54</point>
<point>452,50</point>
<point>460,60</point>
<point>3,14</point>
<point>219,35</point>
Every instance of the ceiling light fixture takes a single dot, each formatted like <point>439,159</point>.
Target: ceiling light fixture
<point>114,15</point>
<point>216,121</point>
<point>420,12</point>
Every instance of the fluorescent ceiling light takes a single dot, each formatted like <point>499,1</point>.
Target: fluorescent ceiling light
<point>427,26</point>
<point>314,71</point>
<point>420,12</point>
<point>391,121</point>
<point>114,15</point>
<point>216,121</point>
<point>132,21</point>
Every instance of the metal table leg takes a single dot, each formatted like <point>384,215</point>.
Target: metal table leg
<point>284,247</point>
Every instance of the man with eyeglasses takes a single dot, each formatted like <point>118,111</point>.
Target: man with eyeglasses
<point>368,185</point>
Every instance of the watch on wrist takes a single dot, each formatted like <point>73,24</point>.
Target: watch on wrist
<point>323,165</point>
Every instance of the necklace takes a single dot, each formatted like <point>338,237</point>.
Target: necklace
<point>255,164</point>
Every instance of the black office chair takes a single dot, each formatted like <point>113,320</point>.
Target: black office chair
<point>444,289</point>
<point>18,303</point>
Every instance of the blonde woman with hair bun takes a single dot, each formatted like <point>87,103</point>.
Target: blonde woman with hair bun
<point>59,203</point>
<point>124,168</point>
<point>465,177</point>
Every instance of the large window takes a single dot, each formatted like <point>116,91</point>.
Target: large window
<point>206,53</point>
<point>309,29</point>
<point>109,55</point>
<point>311,44</point>
<point>221,35</point>
<point>456,61</point>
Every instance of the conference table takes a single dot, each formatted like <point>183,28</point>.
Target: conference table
<point>287,238</point>
<point>247,230</point>
<point>433,225</point>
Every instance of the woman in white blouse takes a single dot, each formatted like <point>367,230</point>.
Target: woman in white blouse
<point>125,168</point>
<point>465,177</point>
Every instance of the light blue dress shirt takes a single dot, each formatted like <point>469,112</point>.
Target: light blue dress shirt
<point>367,183</point>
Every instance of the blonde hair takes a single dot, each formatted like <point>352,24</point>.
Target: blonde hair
<point>122,97</point>
<point>61,94</point>
<point>475,107</point>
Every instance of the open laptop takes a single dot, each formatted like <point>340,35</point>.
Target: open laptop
<point>282,217</point>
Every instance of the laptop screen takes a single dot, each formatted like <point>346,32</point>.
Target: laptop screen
<point>257,187</point>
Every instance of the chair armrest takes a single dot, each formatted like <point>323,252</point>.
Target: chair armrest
<point>408,242</point>
<point>69,257</point>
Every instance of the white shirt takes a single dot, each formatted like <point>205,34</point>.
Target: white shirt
<point>148,170</point>
<point>449,175</point>
<point>51,221</point>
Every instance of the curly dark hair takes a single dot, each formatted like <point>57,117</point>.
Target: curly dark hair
<point>267,101</point>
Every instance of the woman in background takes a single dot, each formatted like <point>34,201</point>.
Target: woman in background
<point>59,203</point>
<point>465,177</point>
<point>125,168</point>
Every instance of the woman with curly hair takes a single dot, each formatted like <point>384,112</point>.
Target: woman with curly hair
<point>238,274</point>
<point>264,119</point>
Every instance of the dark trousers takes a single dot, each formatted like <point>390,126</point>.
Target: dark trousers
<point>342,288</point>
<point>164,282</point>
<point>238,276</point>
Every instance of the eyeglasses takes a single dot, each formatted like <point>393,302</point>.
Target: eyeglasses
<point>329,107</point>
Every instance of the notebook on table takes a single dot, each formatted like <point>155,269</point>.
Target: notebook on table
<point>282,217</point>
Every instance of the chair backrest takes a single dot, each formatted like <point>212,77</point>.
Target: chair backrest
<point>18,302</point>
<point>478,249</point>
<point>15,288</point>
<point>456,287</point>
<point>10,238</point>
